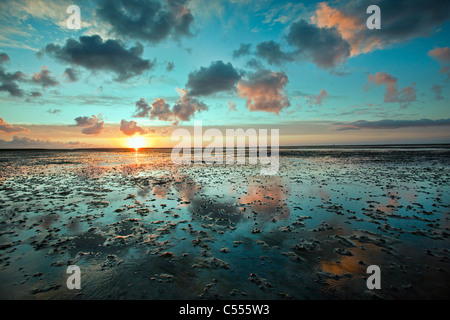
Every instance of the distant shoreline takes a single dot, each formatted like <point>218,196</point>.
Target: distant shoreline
<point>302,147</point>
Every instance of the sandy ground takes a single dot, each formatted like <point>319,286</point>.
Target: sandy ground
<point>142,228</point>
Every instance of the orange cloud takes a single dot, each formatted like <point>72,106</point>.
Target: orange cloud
<point>264,91</point>
<point>351,28</point>
<point>9,128</point>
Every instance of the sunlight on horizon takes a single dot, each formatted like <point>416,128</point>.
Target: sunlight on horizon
<point>137,142</point>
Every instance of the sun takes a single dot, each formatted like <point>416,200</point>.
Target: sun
<point>136,142</point>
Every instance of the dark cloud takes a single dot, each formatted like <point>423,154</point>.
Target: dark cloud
<point>36,94</point>
<point>254,64</point>
<point>215,78</point>
<point>147,20</point>
<point>392,124</point>
<point>71,74</point>
<point>142,109</point>
<point>92,125</point>
<point>12,88</point>
<point>170,66</point>
<point>9,128</point>
<point>92,53</point>
<point>264,91</point>
<point>243,50</point>
<point>272,53</point>
<point>130,128</point>
<point>44,78</point>
<point>323,46</point>
<point>4,57</point>
<point>8,80</point>
<point>54,111</point>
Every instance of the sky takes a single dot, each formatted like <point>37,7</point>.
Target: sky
<point>313,70</point>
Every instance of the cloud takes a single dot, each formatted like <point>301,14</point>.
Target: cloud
<point>92,125</point>
<point>317,100</point>
<point>215,78</point>
<point>437,89</point>
<point>142,109</point>
<point>272,53</point>
<point>405,96</point>
<point>12,88</point>
<point>401,21</point>
<point>130,128</point>
<point>264,91</point>
<point>232,106</point>
<point>9,128</point>
<point>161,110</point>
<point>392,124</point>
<point>54,111</point>
<point>244,49</point>
<point>44,78</point>
<point>183,109</point>
<point>187,106</point>
<point>323,46</point>
<point>92,53</point>
<point>26,143</point>
<point>4,57</point>
<point>147,20</point>
<point>254,64</point>
<point>8,80</point>
<point>71,74</point>
<point>442,55</point>
<point>170,66</point>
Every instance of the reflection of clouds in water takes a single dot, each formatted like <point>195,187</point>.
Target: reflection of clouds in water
<point>267,196</point>
<point>161,190</point>
<point>392,203</point>
<point>143,193</point>
<point>48,220</point>
<point>350,265</point>
<point>186,187</point>
<point>325,197</point>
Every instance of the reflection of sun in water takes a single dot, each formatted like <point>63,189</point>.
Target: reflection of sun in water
<point>136,142</point>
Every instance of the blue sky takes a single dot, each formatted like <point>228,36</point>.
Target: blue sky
<point>311,69</point>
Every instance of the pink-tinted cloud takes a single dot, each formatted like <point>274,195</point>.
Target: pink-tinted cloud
<point>160,110</point>
<point>440,54</point>
<point>9,128</point>
<point>443,56</point>
<point>350,27</point>
<point>186,107</point>
<point>405,96</point>
<point>183,109</point>
<point>318,100</point>
<point>264,91</point>
<point>44,78</point>
<point>92,125</point>
<point>130,128</point>
<point>400,21</point>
